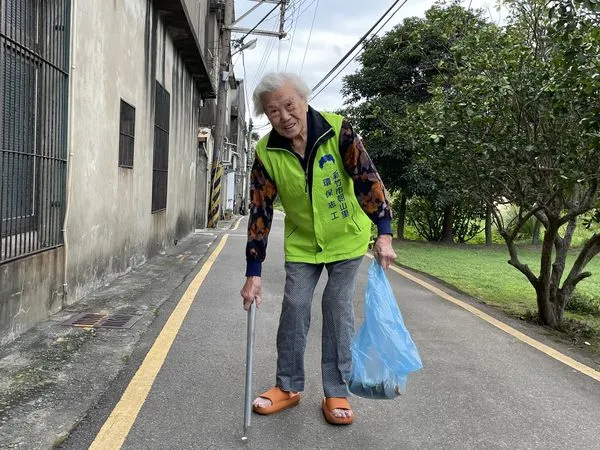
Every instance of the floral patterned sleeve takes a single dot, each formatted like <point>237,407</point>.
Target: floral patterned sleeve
<point>262,195</point>
<point>368,187</point>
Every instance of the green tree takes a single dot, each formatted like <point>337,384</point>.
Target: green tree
<point>519,124</point>
<point>397,71</point>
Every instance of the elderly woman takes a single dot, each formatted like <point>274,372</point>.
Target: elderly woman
<point>331,192</point>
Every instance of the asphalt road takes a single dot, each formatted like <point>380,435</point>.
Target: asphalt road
<point>479,388</point>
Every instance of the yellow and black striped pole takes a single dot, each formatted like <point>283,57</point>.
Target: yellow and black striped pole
<point>215,195</point>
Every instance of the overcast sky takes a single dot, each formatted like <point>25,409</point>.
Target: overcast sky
<point>338,25</point>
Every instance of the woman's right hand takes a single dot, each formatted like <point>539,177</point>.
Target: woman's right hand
<point>252,291</point>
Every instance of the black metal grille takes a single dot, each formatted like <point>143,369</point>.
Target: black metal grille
<point>126,135</point>
<point>162,113</point>
<point>34,53</point>
<point>101,320</point>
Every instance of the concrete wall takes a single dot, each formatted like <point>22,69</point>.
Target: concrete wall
<point>30,290</point>
<point>197,10</point>
<point>119,51</point>
<point>111,227</point>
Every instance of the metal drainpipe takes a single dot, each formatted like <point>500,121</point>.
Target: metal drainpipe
<point>71,154</point>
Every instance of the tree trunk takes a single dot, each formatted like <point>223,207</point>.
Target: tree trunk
<point>488,225</point>
<point>535,238</point>
<point>447,234</point>
<point>402,217</point>
<point>549,310</point>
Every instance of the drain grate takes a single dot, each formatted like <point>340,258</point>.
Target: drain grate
<point>119,321</point>
<point>95,320</point>
<point>85,320</point>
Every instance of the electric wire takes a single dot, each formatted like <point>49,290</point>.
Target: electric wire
<point>261,67</point>
<point>358,43</point>
<point>292,40</point>
<point>309,37</point>
<point>359,52</point>
<point>261,21</point>
<point>265,57</point>
<point>356,55</point>
<point>295,20</point>
<point>308,6</point>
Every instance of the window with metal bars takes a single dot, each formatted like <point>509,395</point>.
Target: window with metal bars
<point>34,40</point>
<point>126,135</point>
<point>162,113</point>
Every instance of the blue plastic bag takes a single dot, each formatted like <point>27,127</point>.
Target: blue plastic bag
<point>383,353</point>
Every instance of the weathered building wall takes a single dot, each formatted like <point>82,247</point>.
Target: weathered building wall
<point>120,53</point>
<point>34,69</point>
<point>30,290</point>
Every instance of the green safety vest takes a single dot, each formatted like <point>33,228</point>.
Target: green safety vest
<point>324,221</point>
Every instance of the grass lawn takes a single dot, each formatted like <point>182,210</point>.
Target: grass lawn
<point>483,272</point>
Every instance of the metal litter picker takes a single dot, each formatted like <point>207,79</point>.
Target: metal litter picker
<point>249,361</point>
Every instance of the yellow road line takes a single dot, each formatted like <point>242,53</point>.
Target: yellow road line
<point>116,428</point>
<point>586,370</point>
<point>237,224</point>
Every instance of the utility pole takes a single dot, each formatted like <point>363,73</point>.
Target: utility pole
<point>281,30</point>
<point>227,27</point>
<point>280,34</point>
<point>221,119</point>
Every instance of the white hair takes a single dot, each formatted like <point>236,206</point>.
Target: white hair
<point>273,81</point>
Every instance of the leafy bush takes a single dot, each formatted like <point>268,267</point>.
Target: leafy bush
<point>468,217</point>
<point>583,303</point>
<point>427,217</point>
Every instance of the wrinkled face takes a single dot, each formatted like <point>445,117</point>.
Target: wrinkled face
<point>286,110</point>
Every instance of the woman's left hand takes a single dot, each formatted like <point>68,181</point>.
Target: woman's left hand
<point>383,251</point>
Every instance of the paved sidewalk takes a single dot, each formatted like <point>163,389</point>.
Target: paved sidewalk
<point>52,375</point>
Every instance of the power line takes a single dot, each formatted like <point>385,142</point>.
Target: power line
<point>295,21</point>
<point>358,53</point>
<point>261,21</point>
<point>292,40</point>
<point>307,7</point>
<point>281,29</point>
<point>263,62</point>
<point>358,43</point>
<point>298,5</point>
<point>309,37</point>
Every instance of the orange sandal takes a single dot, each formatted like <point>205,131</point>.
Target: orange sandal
<point>331,403</point>
<point>280,400</point>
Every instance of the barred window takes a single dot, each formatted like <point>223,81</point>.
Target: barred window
<point>162,113</point>
<point>126,135</point>
<point>33,122</point>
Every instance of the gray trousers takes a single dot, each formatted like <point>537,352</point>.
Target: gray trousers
<point>338,324</point>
